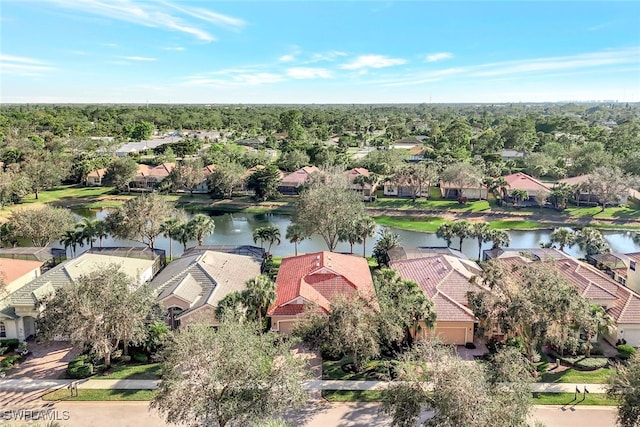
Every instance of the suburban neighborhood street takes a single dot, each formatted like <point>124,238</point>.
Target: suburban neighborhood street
<point>317,414</point>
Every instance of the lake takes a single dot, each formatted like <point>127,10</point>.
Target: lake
<point>237,229</point>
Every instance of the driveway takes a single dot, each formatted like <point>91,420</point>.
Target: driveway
<point>48,360</point>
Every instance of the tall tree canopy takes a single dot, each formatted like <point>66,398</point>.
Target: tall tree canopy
<point>41,224</point>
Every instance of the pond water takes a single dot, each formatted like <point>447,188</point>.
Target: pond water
<point>237,229</point>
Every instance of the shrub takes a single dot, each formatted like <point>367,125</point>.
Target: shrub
<point>11,343</point>
<point>9,361</point>
<point>3,350</point>
<point>470,346</point>
<point>625,351</point>
<point>140,357</point>
<point>591,363</point>
<point>80,371</point>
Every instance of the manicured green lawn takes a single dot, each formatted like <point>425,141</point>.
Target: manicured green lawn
<point>150,371</point>
<point>423,224</point>
<point>517,224</point>
<point>569,399</point>
<point>97,395</point>
<point>579,377</point>
<point>352,395</point>
<point>404,203</point>
<point>373,370</point>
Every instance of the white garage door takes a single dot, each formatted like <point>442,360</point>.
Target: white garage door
<point>632,336</point>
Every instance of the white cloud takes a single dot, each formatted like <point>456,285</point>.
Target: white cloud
<point>175,49</point>
<point>23,66</point>
<point>157,14</point>
<point>139,58</point>
<point>233,78</point>
<point>287,58</point>
<point>372,61</point>
<point>434,57</point>
<point>308,73</point>
<point>329,56</point>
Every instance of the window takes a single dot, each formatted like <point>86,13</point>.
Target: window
<point>632,266</point>
<point>3,330</point>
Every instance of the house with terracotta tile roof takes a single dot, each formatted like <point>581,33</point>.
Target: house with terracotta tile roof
<point>534,188</point>
<point>620,302</point>
<point>449,190</point>
<point>291,184</point>
<point>317,278</point>
<point>582,193</point>
<point>15,273</point>
<point>367,188</point>
<point>94,178</point>
<point>147,177</point>
<point>446,280</point>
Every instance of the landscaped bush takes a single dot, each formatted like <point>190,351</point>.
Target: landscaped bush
<point>591,363</point>
<point>140,357</point>
<point>625,351</point>
<point>80,367</point>
<point>9,361</point>
<point>11,343</point>
<point>470,346</point>
<point>596,349</point>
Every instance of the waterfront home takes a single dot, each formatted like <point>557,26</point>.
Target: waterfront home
<point>367,187</point>
<point>449,190</point>
<point>536,191</point>
<point>293,182</point>
<point>94,178</point>
<point>148,177</point>
<point>582,194</point>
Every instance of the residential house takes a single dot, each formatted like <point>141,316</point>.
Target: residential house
<point>633,271</point>
<point>621,303</point>
<point>512,155</point>
<point>94,178</point>
<point>445,280</point>
<point>20,308</point>
<point>317,278</point>
<point>15,273</point>
<point>142,146</point>
<point>367,189</point>
<point>148,177</point>
<point>203,187</point>
<point>47,255</point>
<point>537,191</point>
<point>291,183</point>
<point>449,190</point>
<point>536,254</point>
<point>614,264</point>
<point>582,193</point>
<point>393,189</point>
<point>190,287</point>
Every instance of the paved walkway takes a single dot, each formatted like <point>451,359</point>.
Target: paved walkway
<point>47,360</point>
<point>33,385</point>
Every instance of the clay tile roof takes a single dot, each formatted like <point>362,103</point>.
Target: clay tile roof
<point>98,173</point>
<point>522,181</point>
<point>12,269</point>
<point>444,279</point>
<point>208,170</point>
<point>319,277</point>
<point>299,177</point>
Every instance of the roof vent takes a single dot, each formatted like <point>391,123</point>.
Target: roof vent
<point>317,264</point>
<point>317,256</point>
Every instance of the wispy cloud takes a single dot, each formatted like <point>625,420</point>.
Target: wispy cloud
<point>233,77</point>
<point>174,48</point>
<point>372,61</point>
<point>23,66</point>
<point>139,58</point>
<point>309,73</point>
<point>289,57</point>
<point>329,56</point>
<point>159,14</point>
<point>440,56</point>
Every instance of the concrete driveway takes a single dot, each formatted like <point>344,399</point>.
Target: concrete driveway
<point>48,360</point>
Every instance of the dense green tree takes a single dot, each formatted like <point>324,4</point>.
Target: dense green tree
<point>610,184</point>
<point>140,219</point>
<point>499,238</point>
<point>45,170</point>
<point>41,224</point>
<point>72,239</point>
<point>140,131</point>
<point>268,234</point>
<point>187,174</point>
<point>258,296</point>
<point>591,241</point>
<point>462,175</point>
<point>101,310</point>
<point>387,240</point>
<point>446,232</point>
<point>519,195</point>
<point>226,178</point>
<point>293,160</point>
<point>295,234</point>
<point>120,173</point>
<point>264,182</point>
<point>231,375</point>
<point>624,386</point>
<point>461,229</point>
<point>563,237</point>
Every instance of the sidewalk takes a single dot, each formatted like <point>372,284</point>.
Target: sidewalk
<point>93,384</point>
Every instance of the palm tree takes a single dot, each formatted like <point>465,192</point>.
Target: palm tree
<point>269,234</point>
<point>350,234</point>
<point>519,195</point>
<point>183,233</point>
<point>101,231</point>
<point>563,237</point>
<point>560,195</point>
<point>295,234</point>
<point>592,241</point>
<point>202,225</point>
<point>445,231</point>
<point>482,232</point>
<point>499,238</point>
<point>462,230</point>
<point>365,227</point>
<point>72,239</point>
<point>169,230</point>
<point>387,241</point>
<point>259,295</point>
<point>89,229</point>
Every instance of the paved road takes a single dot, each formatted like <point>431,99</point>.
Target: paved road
<point>318,414</point>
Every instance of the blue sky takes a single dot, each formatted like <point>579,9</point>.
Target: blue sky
<point>173,51</point>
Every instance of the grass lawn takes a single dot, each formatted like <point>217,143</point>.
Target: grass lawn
<point>97,395</point>
<point>574,376</point>
<point>597,399</point>
<point>517,224</point>
<point>352,395</point>
<point>422,224</point>
<point>373,370</point>
<point>150,371</point>
<point>404,203</point>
